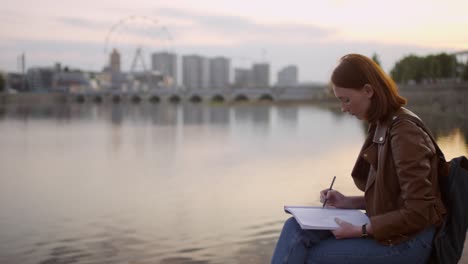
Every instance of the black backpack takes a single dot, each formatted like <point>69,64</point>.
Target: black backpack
<point>450,238</point>
<point>453,179</point>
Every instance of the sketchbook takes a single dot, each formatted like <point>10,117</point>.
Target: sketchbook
<point>318,218</point>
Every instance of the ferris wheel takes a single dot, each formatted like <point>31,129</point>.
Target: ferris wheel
<point>135,38</point>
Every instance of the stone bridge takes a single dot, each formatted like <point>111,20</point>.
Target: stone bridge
<point>204,95</point>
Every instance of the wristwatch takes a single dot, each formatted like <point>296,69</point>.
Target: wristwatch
<point>364,233</point>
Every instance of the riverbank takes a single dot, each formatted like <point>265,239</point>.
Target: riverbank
<point>32,98</point>
<point>442,98</point>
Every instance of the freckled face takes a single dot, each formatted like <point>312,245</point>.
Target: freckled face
<point>355,101</point>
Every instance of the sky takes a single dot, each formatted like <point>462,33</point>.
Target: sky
<point>310,34</point>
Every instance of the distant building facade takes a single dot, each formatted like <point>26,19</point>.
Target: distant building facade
<point>288,76</point>
<point>243,78</point>
<point>66,81</point>
<point>195,72</point>
<point>219,72</point>
<point>56,79</point>
<point>116,76</point>
<point>114,61</point>
<point>166,64</point>
<point>16,81</point>
<point>261,75</point>
<point>40,78</point>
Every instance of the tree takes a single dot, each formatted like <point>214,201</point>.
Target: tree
<point>376,59</point>
<point>410,68</point>
<point>429,68</point>
<point>465,72</point>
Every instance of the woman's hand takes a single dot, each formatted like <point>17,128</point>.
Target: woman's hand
<point>334,199</point>
<point>346,230</point>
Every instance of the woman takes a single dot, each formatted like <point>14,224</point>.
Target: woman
<point>397,171</point>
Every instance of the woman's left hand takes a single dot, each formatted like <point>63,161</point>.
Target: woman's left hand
<point>346,230</point>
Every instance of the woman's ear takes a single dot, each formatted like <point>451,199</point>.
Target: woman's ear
<point>368,90</point>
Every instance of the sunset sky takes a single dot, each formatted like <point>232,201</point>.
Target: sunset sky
<point>310,34</point>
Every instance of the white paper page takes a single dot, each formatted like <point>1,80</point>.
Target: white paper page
<point>324,218</point>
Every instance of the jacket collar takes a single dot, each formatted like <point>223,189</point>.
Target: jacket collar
<point>382,127</point>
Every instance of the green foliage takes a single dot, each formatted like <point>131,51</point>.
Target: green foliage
<point>465,72</point>
<point>428,68</point>
<point>376,59</point>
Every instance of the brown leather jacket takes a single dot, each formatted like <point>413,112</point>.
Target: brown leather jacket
<point>397,170</point>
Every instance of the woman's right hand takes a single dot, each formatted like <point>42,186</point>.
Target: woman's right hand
<point>334,199</point>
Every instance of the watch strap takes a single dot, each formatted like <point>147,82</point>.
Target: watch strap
<point>364,233</point>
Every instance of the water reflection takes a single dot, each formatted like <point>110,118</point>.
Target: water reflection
<point>170,183</point>
<point>288,114</point>
<point>258,114</point>
<point>443,125</point>
<point>449,130</point>
<point>117,115</point>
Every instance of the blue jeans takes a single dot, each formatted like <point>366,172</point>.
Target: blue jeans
<point>320,246</point>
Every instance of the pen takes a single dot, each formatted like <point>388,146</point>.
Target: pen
<point>331,186</point>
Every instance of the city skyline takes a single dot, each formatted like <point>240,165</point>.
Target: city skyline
<point>198,72</point>
<point>312,36</point>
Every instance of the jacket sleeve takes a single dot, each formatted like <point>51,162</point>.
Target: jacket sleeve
<point>412,152</point>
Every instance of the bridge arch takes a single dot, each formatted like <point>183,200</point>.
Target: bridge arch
<point>266,98</point>
<point>218,98</point>
<point>241,98</point>
<point>80,99</point>
<point>98,99</point>
<point>155,99</point>
<point>195,99</point>
<point>136,99</point>
<point>174,99</point>
<point>116,98</point>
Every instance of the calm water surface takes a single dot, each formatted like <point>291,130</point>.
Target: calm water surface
<point>170,183</point>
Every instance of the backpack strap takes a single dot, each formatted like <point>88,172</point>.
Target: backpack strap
<point>420,124</point>
<point>444,166</point>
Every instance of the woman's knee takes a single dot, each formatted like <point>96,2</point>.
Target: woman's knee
<point>289,248</point>
<point>291,229</point>
<point>291,223</point>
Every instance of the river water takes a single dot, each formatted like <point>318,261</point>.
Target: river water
<point>164,183</point>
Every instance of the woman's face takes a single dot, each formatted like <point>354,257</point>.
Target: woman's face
<point>355,101</point>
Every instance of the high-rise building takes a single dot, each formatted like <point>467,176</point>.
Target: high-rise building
<point>288,76</point>
<point>261,75</point>
<point>166,64</point>
<point>195,72</point>
<point>114,61</point>
<point>114,70</point>
<point>219,72</point>
<point>205,73</point>
<point>243,78</point>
